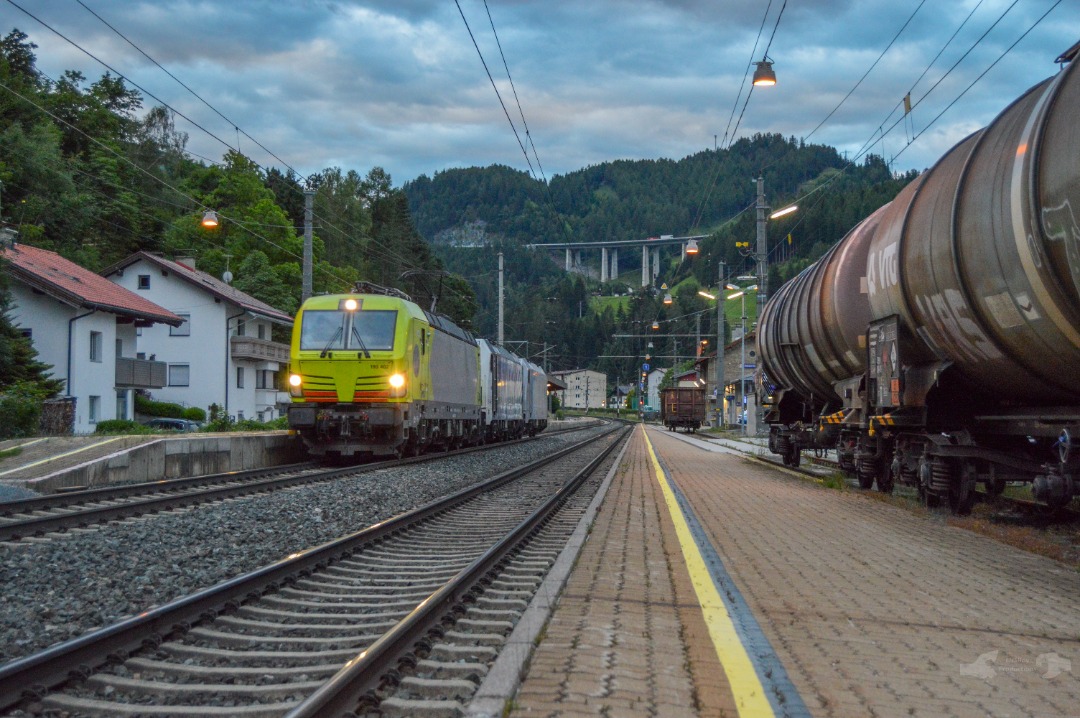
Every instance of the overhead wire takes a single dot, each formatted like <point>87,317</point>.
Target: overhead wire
<point>494,87</point>
<point>388,252</point>
<point>880,133</point>
<point>155,178</point>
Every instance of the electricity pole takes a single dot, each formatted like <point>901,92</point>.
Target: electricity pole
<point>720,392</point>
<point>500,298</point>
<point>309,196</point>
<point>762,249</point>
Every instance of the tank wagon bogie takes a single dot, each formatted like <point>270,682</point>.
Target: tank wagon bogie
<point>957,360</point>
<point>371,373</point>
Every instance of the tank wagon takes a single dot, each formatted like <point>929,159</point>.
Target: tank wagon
<point>371,373</point>
<point>682,407</point>
<point>938,343</point>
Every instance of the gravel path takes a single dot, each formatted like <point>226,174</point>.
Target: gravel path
<point>56,590</point>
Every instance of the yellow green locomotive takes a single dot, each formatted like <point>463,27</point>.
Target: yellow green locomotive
<point>370,372</point>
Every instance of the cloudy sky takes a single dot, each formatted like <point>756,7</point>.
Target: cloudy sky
<point>399,84</point>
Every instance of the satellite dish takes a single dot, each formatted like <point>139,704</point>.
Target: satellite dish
<point>227,277</point>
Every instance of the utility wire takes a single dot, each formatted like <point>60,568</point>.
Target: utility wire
<point>494,87</point>
<point>155,178</point>
<point>506,67</point>
<point>388,252</point>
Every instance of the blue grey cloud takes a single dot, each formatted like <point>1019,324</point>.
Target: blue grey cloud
<point>398,83</point>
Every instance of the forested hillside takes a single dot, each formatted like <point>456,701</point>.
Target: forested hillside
<point>471,214</point>
<point>89,174</point>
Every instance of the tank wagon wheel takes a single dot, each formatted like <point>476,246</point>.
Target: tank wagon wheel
<point>962,489</point>
<point>866,471</point>
<point>772,443</point>
<point>886,478</point>
<point>925,477</point>
<point>783,448</point>
<point>794,457</point>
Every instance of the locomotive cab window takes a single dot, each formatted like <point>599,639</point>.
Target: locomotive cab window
<point>335,330</point>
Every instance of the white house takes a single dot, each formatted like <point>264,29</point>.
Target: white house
<point>85,327</point>
<point>222,353</point>
<point>652,388</point>
<point>585,389</point>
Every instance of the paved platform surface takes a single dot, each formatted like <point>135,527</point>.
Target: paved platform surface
<point>868,609</point>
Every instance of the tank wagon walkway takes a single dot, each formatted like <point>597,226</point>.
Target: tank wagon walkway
<point>816,602</point>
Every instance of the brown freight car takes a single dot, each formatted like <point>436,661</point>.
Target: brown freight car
<point>682,407</point>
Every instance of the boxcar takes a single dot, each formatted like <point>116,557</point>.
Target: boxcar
<point>682,407</point>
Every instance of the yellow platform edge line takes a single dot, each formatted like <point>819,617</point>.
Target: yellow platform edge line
<point>60,456</point>
<point>746,687</point>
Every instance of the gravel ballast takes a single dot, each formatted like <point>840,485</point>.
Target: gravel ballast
<point>58,589</point>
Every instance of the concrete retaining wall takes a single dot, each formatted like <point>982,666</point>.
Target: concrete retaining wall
<point>174,457</point>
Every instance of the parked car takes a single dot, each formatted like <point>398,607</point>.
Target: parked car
<point>173,424</point>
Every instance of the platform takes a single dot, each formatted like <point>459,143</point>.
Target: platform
<point>711,585</point>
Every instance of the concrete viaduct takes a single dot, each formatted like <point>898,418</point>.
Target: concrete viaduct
<point>609,254</point>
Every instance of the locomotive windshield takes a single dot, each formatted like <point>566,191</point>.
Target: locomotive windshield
<point>336,330</point>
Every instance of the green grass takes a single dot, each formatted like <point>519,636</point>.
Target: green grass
<point>10,452</point>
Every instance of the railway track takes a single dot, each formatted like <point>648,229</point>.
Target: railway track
<point>413,607</point>
<point>50,515</point>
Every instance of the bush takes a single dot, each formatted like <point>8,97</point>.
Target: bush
<point>20,405</point>
<point>194,413</point>
<point>167,410</point>
<point>226,423</point>
<point>121,426</point>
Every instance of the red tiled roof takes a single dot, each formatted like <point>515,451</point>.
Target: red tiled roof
<point>61,278</point>
<point>208,283</point>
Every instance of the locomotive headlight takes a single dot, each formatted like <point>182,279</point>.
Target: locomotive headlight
<point>397,381</point>
<point>350,305</point>
<point>294,384</point>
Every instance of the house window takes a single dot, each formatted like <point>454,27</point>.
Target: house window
<point>260,379</point>
<point>26,333</point>
<point>144,281</point>
<point>95,408</point>
<point>119,348</point>
<point>184,330</point>
<point>179,375</point>
<point>262,331</point>
<point>121,405</point>
<point>239,377</point>
<point>96,346</point>
<point>240,328</point>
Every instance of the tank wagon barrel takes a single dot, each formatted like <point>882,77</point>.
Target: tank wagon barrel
<point>938,343</point>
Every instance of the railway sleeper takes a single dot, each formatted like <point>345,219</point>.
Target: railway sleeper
<point>270,627</point>
<point>256,613</point>
<point>404,708</point>
<point>450,669</point>
<point>240,639</point>
<point>448,652</point>
<point>445,688</point>
<point>90,707</point>
<point>145,666</point>
<point>233,657</point>
<point>157,689</point>
<point>467,638</point>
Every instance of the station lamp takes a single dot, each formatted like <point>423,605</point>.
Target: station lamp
<point>764,75</point>
<point>210,219</point>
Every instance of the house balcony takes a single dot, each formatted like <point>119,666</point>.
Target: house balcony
<point>258,350</point>
<point>141,373</point>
